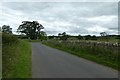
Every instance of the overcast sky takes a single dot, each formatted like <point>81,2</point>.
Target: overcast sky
<point>71,17</point>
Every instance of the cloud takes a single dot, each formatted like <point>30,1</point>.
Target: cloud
<point>71,17</point>
<point>102,18</point>
<point>96,29</point>
<point>59,0</point>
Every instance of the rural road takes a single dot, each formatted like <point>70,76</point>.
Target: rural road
<point>52,63</point>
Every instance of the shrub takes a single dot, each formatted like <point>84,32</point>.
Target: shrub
<point>8,39</point>
<point>9,46</point>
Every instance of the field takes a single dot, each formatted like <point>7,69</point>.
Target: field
<point>105,54</point>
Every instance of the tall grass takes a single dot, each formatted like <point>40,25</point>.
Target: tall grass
<point>8,39</point>
<point>101,54</point>
<point>22,66</point>
<point>16,57</point>
<point>9,46</point>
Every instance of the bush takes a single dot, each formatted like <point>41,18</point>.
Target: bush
<point>9,46</point>
<point>8,39</point>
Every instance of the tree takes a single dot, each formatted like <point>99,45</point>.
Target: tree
<point>93,37</point>
<point>63,36</point>
<point>6,29</point>
<point>103,34</point>
<point>31,29</point>
<point>59,35</point>
<point>79,37</point>
<point>51,37</point>
<point>87,37</point>
<point>43,35</point>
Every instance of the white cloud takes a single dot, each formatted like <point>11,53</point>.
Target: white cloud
<point>59,0</point>
<point>103,18</point>
<point>74,18</point>
<point>97,29</point>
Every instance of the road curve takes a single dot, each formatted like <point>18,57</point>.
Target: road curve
<point>48,62</point>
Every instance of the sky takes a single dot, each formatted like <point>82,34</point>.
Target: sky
<point>74,18</point>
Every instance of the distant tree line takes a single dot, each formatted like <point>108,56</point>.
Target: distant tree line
<point>32,30</point>
<point>103,36</point>
<point>63,36</point>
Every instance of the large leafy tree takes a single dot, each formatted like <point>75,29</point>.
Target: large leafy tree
<point>6,29</point>
<point>31,29</point>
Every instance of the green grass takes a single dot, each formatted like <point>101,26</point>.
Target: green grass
<point>84,53</point>
<point>38,40</point>
<point>9,52</point>
<point>16,61</point>
<point>22,66</point>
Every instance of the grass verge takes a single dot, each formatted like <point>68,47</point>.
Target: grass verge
<point>85,54</point>
<point>22,67</point>
<point>20,64</point>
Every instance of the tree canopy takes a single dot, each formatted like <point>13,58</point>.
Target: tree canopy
<point>80,37</point>
<point>6,29</point>
<point>103,34</point>
<point>31,29</point>
<point>63,36</point>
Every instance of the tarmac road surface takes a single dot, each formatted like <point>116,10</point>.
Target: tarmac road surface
<point>48,62</point>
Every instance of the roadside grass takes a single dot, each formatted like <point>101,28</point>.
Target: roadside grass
<point>22,65</point>
<point>9,46</point>
<point>98,55</point>
<point>16,57</point>
<point>7,59</point>
<point>38,40</point>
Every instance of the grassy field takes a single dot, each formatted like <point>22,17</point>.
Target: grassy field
<point>16,58</point>
<point>99,54</point>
